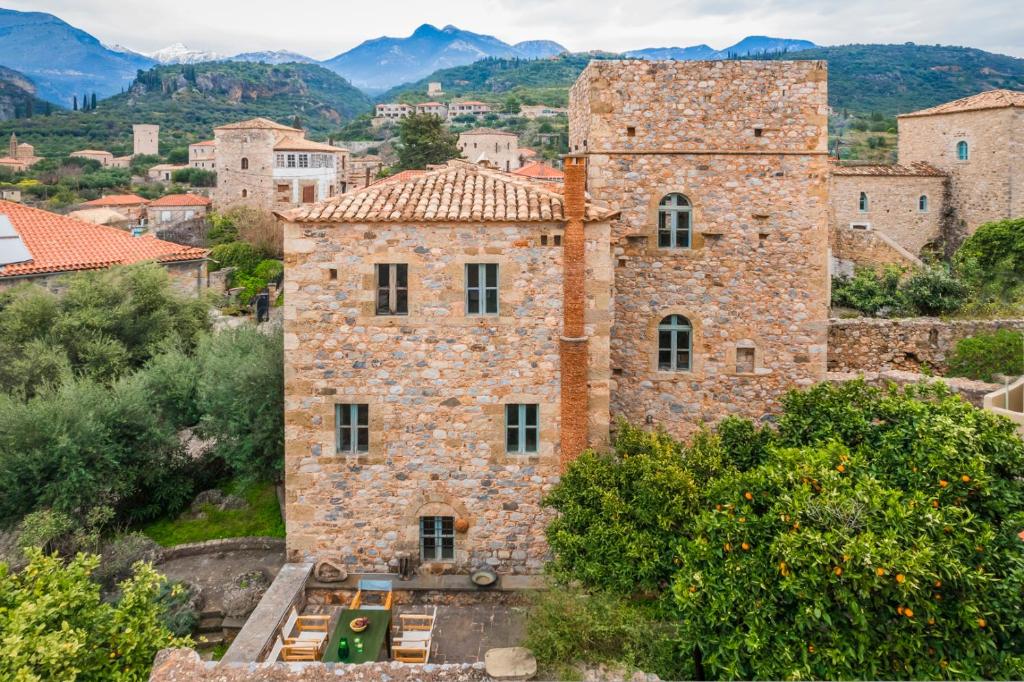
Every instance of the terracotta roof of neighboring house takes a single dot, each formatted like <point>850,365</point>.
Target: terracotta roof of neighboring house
<point>541,171</point>
<point>167,166</point>
<point>401,176</point>
<point>430,104</point>
<point>919,168</point>
<point>472,102</point>
<point>99,216</point>
<point>62,244</point>
<point>990,99</point>
<point>90,151</point>
<point>525,151</point>
<point>457,192</point>
<point>487,131</point>
<point>117,200</point>
<point>257,123</point>
<point>180,200</point>
<point>301,144</point>
<point>204,143</point>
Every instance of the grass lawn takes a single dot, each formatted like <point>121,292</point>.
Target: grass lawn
<point>261,517</point>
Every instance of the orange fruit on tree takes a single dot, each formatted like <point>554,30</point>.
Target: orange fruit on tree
<point>900,578</point>
<point>908,613</point>
<point>745,546</point>
<point>837,570</point>
<point>938,583</point>
<point>943,483</point>
<point>935,503</point>
<point>879,572</point>
<point>981,622</point>
<point>743,519</point>
<point>748,495</point>
<point>899,610</point>
<point>810,648</point>
<point>965,478</point>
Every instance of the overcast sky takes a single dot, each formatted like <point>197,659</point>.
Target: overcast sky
<point>324,28</point>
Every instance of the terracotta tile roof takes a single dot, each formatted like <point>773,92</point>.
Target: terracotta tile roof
<point>298,143</point>
<point>487,131</point>
<point>62,244</point>
<point>990,99</point>
<point>458,192</point>
<point>117,200</point>
<point>180,200</point>
<point>257,123</point>
<point>473,102</point>
<point>539,170</point>
<point>917,169</point>
<point>204,143</point>
<point>90,151</point>
<point>400,176</point>
<point>526,151</point>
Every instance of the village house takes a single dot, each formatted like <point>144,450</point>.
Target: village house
<point>265,164</point>
<point>19,157</point>
<point>172,209</point>
<point>540,171</point>
<point>145,141</point>
<point>957,170</point>
<point>132,206</point>
<point>470,108</point>
<point>391,112</point>
<point>365,170</point>
<point>163,172</point>
<point>40,247</point>
<point>453,338</point>
<point>104,158</point>
<point>433,108</point>
<point>541,111</point>
<point>497,148</point>
<point>203,155</point>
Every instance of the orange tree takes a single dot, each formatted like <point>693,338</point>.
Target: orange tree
<point>870,534</point>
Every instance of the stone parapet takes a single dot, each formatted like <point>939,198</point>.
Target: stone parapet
<point>877,345</point>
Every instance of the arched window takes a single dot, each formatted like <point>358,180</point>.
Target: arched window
<point>862,203</point>
<point>245,193</point>
<point>922,203</point>
<point>674,344</point>
<point>674,222</point>
<point>963,152</point>
<point>245,163</point>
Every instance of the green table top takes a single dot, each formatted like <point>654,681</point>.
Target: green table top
<point>374,637</point>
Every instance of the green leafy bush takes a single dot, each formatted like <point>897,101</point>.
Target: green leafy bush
<point>934,291</point>
<point>568,626</point>
<point>241,398</point>
<point>870,292</point>
<point>241,255</point>
<point>984,355</point>
<point>56,626</point>
<point>991,261</point>
<point>872,534</point>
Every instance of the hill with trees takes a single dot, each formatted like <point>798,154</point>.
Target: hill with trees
<point>888,79</point>
<point>188,101</point>
<point>18,96</point>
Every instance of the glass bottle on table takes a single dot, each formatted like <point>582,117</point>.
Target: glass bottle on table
<point>343,648</point>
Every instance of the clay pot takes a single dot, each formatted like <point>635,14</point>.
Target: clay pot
<point>461,525</point>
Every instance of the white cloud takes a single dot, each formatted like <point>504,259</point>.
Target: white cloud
<point>324,28</point>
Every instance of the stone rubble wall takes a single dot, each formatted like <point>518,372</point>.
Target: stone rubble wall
<point>879,345</point>
<point>867,248</point>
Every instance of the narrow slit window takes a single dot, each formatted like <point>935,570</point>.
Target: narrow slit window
<point>963,151</point>
<point>521,428</point>
<point>392,289</point>
<point>862,202</point>
<point>352,428</point>
<point>922,203</point>
<point>481,289</point>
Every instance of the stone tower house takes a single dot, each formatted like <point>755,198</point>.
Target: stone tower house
<point>979,142</point>
<point>146,139</point>
<point>719,171</point>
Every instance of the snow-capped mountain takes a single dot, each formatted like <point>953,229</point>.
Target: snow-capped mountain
<point>273,57</point>
<point>179,53</point>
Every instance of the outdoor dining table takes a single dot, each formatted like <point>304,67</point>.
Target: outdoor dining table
<point>374,637</point>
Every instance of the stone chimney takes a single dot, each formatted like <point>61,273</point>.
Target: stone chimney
<point>573,346</point>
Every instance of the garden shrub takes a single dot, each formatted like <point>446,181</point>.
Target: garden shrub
<point>56,626</point>
<point>568,627</point>
<point>241,255</point>
<point>872,535</point>
<point>984,355</point>
<point>934,291</point>
<point>991,261</point>
<point>870,292</point>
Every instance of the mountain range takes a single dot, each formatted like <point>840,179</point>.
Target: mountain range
<point>63,61</point>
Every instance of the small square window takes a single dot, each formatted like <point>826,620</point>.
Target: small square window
<point>521,428</point>
<point>758,132</point>
<point>543,240</point>
<point>558,240</point>
<point>630,131</point>
<point>352,428</point>
<point>332,274</point>
<point>437,538</point>
<point>744,360</point>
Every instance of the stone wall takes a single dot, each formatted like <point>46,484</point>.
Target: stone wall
<point>870,345</point>
<point>893,207</point>
<point>745,142</point>
<point>187,277</point>
<point>436,382</point>
<point>980,188</point>
<point>252,186</point>
<point>500,150</point>
<point>184,665</point>
<point>867,248</point>
<point>973,392</point>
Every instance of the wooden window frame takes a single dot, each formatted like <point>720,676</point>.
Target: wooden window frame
<point>670,216</point>
<point>390,291</point>
<point>519,425</point>
<point>671,326</point>
<point>439,532</point>
<point>358,417</point>
<point>482,289</point>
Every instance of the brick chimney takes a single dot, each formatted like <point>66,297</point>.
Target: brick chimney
<point>573,346</point>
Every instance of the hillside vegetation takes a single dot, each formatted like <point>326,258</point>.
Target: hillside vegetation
<point>888,79</point>
<point>188,101</point>
<point>18,96</point>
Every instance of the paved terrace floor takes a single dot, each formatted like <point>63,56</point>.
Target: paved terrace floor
<point>462,632</point>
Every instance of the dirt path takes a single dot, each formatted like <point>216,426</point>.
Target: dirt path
<point>214,572</point>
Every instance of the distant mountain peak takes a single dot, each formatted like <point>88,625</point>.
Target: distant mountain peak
<point>751,45</point>
<point>179,53</point>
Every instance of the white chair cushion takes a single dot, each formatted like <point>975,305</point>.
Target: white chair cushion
<point>312,636</point>
<point>414,636</point>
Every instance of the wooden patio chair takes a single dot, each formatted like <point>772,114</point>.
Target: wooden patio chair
<point>411,654</point>
<point>313,630</point>
<point>372,587</point>
<point>299,651</point>
<point>275,651</point>
<point>418,621</point>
